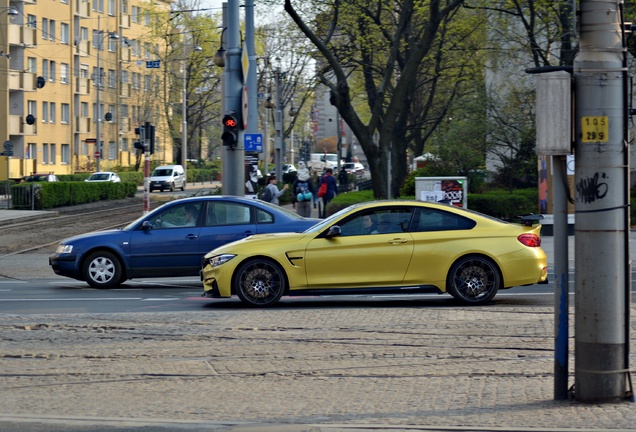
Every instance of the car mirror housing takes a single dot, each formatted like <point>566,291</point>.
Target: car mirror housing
<point>145,225</point>
<point>334,231</point>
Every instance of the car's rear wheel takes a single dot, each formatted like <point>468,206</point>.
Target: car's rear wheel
<point>473,280</point>
<point>102,269</point>
<point>259,282</point>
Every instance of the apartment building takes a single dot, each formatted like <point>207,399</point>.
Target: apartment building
<point>73,69</point>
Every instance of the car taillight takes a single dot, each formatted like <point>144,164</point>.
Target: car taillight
<point>530,240</point>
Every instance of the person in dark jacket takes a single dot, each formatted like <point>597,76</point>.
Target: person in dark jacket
<point>332,189</point>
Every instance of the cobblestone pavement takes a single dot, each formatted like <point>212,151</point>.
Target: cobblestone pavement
<point>434,366</point>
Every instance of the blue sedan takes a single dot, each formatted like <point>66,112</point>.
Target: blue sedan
<point>170,240</point>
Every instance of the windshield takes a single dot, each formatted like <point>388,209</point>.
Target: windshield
<point>325,223</point>
<point>164,172</point>
<point>99,177</point>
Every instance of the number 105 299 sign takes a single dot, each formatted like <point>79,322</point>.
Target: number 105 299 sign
<point>595,129</point>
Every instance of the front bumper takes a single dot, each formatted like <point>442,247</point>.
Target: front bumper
<point>65,266</point>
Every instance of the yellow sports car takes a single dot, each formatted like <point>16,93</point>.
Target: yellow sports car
<point>382,247</point>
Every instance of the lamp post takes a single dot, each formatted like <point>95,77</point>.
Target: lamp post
<point>184,125</point>
<point>98,110</point>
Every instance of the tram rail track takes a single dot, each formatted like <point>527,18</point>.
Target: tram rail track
<point>42,234</point>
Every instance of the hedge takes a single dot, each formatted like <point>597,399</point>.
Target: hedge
<point>58,194</point>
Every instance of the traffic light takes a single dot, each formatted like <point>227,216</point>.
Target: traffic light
<point>141,132</point>
<point>150,136</point>
<point>230,129</point>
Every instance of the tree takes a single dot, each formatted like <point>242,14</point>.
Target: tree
<point>384,43</point>
<point>283,50</point>
<point>522,34</point>
<point>189,39</point>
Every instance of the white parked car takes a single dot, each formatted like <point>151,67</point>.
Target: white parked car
<point>105,176</point>
<point>353,167</point>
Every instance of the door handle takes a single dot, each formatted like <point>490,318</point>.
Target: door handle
<point>398,241</point>
<point>192,236</point>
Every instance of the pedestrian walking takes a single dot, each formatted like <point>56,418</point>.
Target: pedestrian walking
<point>303,193</point>
<point>274,192</point>
<point>328,191</point>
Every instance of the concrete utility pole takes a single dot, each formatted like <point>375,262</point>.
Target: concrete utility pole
<point>233,158</point>
<point>601,206</point>
<point>279,144</point>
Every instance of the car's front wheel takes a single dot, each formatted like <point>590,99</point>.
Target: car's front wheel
<point>473,280</point>
<point>102,269</point>
<point>259,282</point>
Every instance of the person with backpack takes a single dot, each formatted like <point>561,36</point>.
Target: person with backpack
<point>270,193</point>
<point>303,193</point>
<point>327,190</point>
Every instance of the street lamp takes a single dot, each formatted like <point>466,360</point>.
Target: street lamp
<point>100,41</point>
<point>10,10</point>
<point>184,126</point>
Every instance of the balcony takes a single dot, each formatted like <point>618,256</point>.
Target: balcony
<point>125,90</point>
<point>82,86</point>
<point>82,125</point>
<point>82,8</point>
<point>22,81</point>
<point>20,35</point>
<point>18,126</point>
<point>82,48</point>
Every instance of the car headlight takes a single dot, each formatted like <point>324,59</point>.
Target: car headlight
<point>62,248</point>
<point>217,260</point>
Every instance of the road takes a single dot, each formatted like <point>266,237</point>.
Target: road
<point>153,355</point>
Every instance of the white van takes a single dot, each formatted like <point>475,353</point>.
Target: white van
<point>168,177</point>
<point>320,161</point>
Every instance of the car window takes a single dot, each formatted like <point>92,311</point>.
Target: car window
<point>428,219</point>
<point>227,213</point>
<point>177,216</point>
<point>382,221</point>
<point>264,217</point>
<point>162,172</point>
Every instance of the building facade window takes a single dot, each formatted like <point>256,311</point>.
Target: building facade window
<point>45,69</point>
<point>83,71</point>
<point>111,8</point>
<point>52,30</point>
<point>64,73</point>
<point>66,113</point>
<point>32,21</point>
<point>112,78</point>
<point>147,81</point>
<point>111,110</point>
<point>52,71</point>
<point>45,28</point>
<point>32,108</point>
<point>64,33</point>
<point>66,154</point>
<point>53,116</point>
<point>53,156</point>
<point>45,154</point>
<point>32,65</point>
<point>31,150</point>
<point>83,148</point>
<point>45,112</point>
<point>84,109</point>
<point>124,144</point>
<point>112,150</point>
